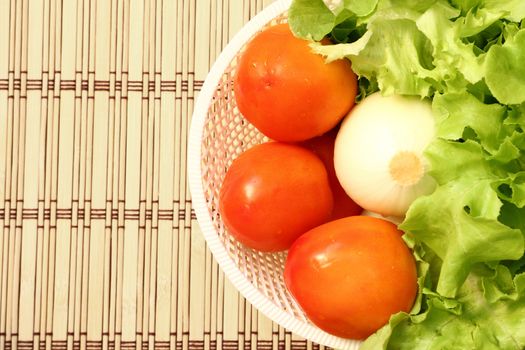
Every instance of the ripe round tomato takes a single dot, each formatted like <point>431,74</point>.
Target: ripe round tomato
<point>323,147</point>
<point>288,92</point>
<point>350,275</point>
<point>272,194</point>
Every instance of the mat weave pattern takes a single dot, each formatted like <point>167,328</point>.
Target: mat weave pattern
<point>99,246</point>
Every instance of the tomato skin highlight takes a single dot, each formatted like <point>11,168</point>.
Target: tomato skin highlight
<point>273,193</point>
<point>323,147</point>
<point>350,275</point>
<point>288,92</point>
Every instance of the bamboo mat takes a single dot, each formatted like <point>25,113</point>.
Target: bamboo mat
<point>99,246</point>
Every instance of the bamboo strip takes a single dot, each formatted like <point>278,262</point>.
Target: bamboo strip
<point>99,245</point>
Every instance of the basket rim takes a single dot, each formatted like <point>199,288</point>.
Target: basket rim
<point>260,301</point>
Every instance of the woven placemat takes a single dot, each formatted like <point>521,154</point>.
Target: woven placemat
<point>99,246</point>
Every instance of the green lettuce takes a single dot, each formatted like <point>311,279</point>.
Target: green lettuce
<point>303,13</point>
<point>468,236</point>
<point>486,314</point>
<point>505,71</point>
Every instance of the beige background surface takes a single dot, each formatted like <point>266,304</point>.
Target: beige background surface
<point>99,246</point>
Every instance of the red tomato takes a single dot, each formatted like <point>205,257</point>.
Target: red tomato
<point>323,147</point>
<point>350,275</point>
<point>273,193</point>
<point>288,92</point>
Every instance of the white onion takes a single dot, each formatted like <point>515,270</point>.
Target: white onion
<point>378,154</point>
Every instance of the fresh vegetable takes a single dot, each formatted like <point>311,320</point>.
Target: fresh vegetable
<point>350,275</point>
<point>288,92</point>
<point>379,153</point>
<point>467,235</point>
<point>323,147</point>
<point>273,193</point>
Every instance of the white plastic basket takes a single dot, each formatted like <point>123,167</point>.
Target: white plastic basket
<point>218,135</point>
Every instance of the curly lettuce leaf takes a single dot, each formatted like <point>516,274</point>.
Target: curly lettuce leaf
<point>490,317</point>
<point>505,71</point>
<point>359,7</point>
<point>409,64</point>
<point>448,49</point>
<point>514,10</point>
<point>313,19</point>
<point>419,48</point>
<point>456,111</point>
<point>303,13</point>
<point>460,223</point>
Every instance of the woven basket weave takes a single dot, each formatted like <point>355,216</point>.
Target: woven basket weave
<point>219,133</point>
